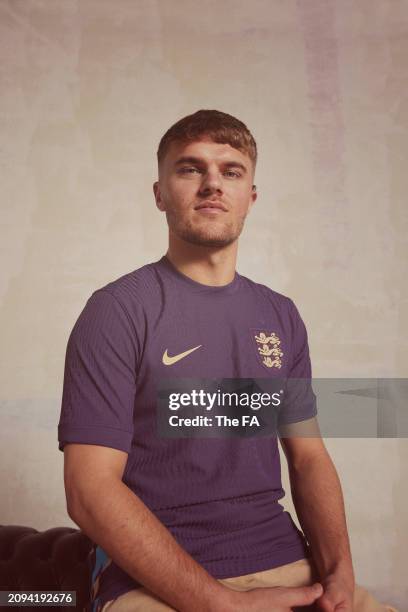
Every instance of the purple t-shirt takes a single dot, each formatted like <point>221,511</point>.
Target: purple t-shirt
<point>217,496</point>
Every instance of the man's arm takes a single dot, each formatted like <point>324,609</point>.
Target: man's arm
<point>318,500</point>
<point>116,519</point>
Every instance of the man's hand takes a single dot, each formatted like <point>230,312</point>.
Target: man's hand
<point>338,593</point>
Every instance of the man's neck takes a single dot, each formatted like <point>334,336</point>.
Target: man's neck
<point>207,268</point>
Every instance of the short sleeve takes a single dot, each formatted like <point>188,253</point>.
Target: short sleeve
<point>99,376</point>
<point>300,401</point>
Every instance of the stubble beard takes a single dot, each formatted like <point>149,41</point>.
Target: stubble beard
<point>218,235</point>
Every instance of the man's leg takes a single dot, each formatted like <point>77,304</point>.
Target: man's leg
<point>302,573</point>
<point>137,600</point>
<point>296,574</point>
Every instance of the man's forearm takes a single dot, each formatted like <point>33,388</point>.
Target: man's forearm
<point>116,519</point>
<point>318,499</point>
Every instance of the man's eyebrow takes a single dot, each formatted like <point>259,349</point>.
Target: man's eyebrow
<point>196,160</point>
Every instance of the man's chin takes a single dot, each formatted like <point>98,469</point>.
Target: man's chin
<point>208,241</point>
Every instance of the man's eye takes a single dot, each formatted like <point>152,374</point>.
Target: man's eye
<point>186,170</point>
<point>189,169</point>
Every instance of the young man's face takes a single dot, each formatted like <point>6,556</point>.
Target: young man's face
<point>219,174</point>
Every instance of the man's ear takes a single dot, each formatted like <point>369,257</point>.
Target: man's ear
<point>157,195</point>
<point>254,195</point>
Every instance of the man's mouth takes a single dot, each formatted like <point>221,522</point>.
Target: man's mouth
<point>211,207</point>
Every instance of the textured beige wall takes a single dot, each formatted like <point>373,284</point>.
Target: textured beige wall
<point>87,89</point>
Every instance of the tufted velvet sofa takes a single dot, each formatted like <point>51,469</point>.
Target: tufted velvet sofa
<point>58,559</point>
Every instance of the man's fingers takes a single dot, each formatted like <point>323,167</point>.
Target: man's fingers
<point>325,605</point>
<point>298,596</point>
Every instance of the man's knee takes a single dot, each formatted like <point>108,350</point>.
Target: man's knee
<point>137,600</point>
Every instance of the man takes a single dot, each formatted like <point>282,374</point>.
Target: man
<point>194,523</point>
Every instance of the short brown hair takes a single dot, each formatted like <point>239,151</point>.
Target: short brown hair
<point>220,127</point>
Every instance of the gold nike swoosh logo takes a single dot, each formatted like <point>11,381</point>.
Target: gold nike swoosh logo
<point>168,360</point>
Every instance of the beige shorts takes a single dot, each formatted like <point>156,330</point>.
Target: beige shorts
<point>295,574</point>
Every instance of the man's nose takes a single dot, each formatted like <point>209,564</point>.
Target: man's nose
<point>211,181</point>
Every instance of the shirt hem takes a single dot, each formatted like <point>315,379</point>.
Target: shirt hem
<point>240,567</point>
<point>101,436</point>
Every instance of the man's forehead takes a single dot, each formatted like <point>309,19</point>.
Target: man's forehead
<point>205,148</point>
